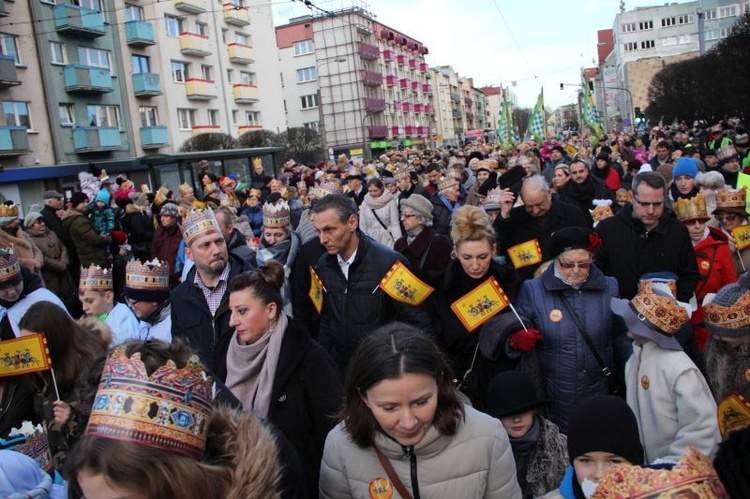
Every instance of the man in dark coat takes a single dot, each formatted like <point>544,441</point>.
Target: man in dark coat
<point>305,315</point>
<point>538,218</point>
<point>200,304</point>
<point>91,247</point>
<point>645,237</point>
<point>583,188</point>
<point>236,242</point>
<point>351,269</point>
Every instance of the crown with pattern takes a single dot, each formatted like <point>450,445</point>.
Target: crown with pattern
<point>185,188</point>
<point>7,211</point>
<point>694,476</point>
<point>168,410</point>
<point>95,278</point>
<point>161,195</point>
<point>602,210</point>
<point>147,281</point>
<point>402,170</point>
<point>731,200</point>
<point>326,188</point>
<point>199,223</point>
<point>276,215</point>
<point>622,195</point>
<point>31,441</point>
<point>10,269</point>
<point>446,183</point>
<point>734,317</point>
<point>734,414</point>
<point>660,312</point>
<point>691,209</point>
<point>726,153</point>
<point>494,196</point>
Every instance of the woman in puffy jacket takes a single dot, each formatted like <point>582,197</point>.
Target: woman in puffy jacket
<point>378,214</point>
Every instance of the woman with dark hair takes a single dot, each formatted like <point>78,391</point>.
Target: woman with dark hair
<point>607,172</point>
<point>210,189</point>
<point>403,417</point>
<point>378,214</point>
<point>277,371</point>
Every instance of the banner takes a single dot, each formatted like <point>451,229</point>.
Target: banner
<point>538,121</point>
<point>480,304</point>
<point>401,285</point>
<point>316,290</point>
<point>741,236</point>
<point>525,254</point>
<point>26,354</point>
<point>505,126</point>
<point>589,113</point>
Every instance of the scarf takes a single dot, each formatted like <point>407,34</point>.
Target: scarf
<point>378,202</point>
<point>559,275</point>
<point>411,235</point>
<point>279,251</point>
<point>251,368</point>
<point>581,192</point>
<point>527,441</point>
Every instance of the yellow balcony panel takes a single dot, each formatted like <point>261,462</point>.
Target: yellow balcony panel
<point>245,94</point>
<point>236,15</point>
<point>241,54</point>
<point>197,89</point>
<point>248,128</point>
<point>199,129</point>
<point>194,44</point>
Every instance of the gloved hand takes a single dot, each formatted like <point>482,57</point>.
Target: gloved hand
<point>525,341</point>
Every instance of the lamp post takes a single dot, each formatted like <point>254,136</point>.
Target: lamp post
<point>321,113</point>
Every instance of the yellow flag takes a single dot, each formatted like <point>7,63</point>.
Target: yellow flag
<point>26,354</point>
<point>480,304</point>
<point>734,414</point>
<point>525,254</point>
<point>316,290</point>
<point>741,236</point>
<point>401,285</point>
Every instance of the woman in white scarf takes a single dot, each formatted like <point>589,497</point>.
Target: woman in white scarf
<point>378,215</point>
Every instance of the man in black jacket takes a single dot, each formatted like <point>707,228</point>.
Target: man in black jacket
<point>200,308</point>
<point>351,269</point>
<point>583,188</point>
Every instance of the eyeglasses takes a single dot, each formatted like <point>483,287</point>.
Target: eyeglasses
<point>658,204</point>
<point>725,216</point>
<point>572,265</point>
<point>408,215</point>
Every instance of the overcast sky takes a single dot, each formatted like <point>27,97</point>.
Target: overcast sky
<point>536,43</point>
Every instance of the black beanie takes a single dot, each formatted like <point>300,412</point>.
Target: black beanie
<point>604,423</point>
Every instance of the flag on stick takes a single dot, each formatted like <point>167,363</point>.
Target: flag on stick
<point>401,285</point>
<point>316,290</point>
<point>538,122</point>
<point>480,304</point>
<point>589,113</point>
<point>525,254</point>
<point>26,354</point>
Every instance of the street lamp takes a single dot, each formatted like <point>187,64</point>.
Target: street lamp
<point>321,114</point>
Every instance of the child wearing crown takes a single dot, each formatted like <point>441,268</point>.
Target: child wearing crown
<point>98,299</point>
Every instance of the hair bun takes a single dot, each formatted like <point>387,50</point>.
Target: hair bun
<point>272,272</point>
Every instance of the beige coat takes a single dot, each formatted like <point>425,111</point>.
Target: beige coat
<point>28,254</point>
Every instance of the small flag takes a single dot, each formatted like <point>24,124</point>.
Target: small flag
<point>26,354</point>
<point>504,130</point>
<point>589,112</point>
<point>401,285</point>
<point>480,304</point>
<point>525,254</point>
<point>316,290</point>
<point>734,414</point>
<point>741,236</point>
<point>538,120</point>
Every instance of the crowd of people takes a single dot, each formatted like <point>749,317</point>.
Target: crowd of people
<point>238,339</point>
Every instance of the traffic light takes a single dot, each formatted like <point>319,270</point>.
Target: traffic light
<point>591,86</point>
<point>562,86</point>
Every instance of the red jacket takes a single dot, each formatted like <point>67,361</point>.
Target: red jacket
<point>716,269</point>
<point>164,247</point>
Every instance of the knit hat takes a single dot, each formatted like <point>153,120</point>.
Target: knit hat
<point>138,198</point>
<point>78,197</point>
<point>604,423</point>
<point>119,237</point>
<point>103,196</point>
<point>510,393</point>
<point>52,195</point>
<point>419,204</point>
<point>10,270</point>
<point>169,210</point>
<point>30,218</point>
<point>147,281</point>
<point>685,166</point>
<point>728,311</point>
<point>559,149</point>
<point>570,238</point>
<point>199,223</point>
<point>8,213</point>
<point>691,209</point>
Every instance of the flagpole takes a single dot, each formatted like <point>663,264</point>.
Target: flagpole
<point>517,316</point>
<point>54,383</point>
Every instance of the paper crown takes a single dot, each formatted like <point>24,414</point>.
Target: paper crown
<point>602,210</point>
<point>184,188</point>
<point>95,278</point>
<point>694,476</point>
<point>9,266</point>
<point>161,195</point>
<point>8,210</point>
<point>326,188</point>
<point>274,182</point>
<point>103,177</point>
<point>256,193</point>
<point>199,223</point>
<point>735,316</point>
<point>734,414</point>
<point>494,196</point>
<point>402,171</point>
<point>691,209</point>
<point>149,276</point>
<point>168,410</point>
<point>30,441</point>
<point>661,313</point>
<point>447,183</point>
<point>726,152</point>
<point>145,189</point>
<point>729,198</point>
<point>276,215</point>
<point>622,196</point>
<point>126,185</point>
<point>226,182</point>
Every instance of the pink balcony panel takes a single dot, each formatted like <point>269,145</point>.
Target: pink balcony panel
<point>395,131</point>
<point>372,78</point>
<point>403,83</point>
<point>423,67</point>
<point>412,64</point>
<point>429,109</point>
<point>415,85</point>
<point>397,106</point>
<point>407,106</point>
<point>426,88</point>
<point>391,80</point>
<point>368,51</point>
<point>410,130</point>
<point>377,131</point>
<point>374,105</point>
<point>401,60</point>
<point>418,108</point>
<point>388,55</point>
<point>421,130</point>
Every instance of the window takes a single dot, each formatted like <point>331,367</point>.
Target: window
<point>644,25</point>
<point>174,25</point>
<point>304,47</point>
<point>725,32</point>
<point>746,8</point>
<point>668,21</point>
<point>685,39</point>
<point>141,64</point>
<point>711,34</point>
<point>206,72</point>
<point>103,115</point>
<point>149,116</point>
<point>313,125</point>
<point>8,46</point>
<point>307,74</point>
<point>730,11</point>
<point>241,38</point>
<point>67,114</point>
<point>630,46</point>
<point>201,28</point>
<point>309,101</point>
<point>16,113</point>
<point>710,14</point>
<point>133,12</point>
<point>234,116</point>
<point>213,117</point>
<point>253,118</point>
<point>647,44</point>
<point>236,3</point>
<point>247,78</point>
<point>230,75</point>
<point>186,118</point>
<point>685,19</point>
<point>57,53</point>
<point>96,58</point>
<point>179,71</point>
<point>88,4</point>
<point>628,27</point>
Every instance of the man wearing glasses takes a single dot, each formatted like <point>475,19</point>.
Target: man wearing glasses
<point>645,237</point>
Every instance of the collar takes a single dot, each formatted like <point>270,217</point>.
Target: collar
<point>223,277</point>
<point>349,260</point>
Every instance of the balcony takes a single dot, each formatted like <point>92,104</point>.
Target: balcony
<point>429,109</point>
<point>407,106</point>
<point>397,106</point>
<point>388,55</point>
<point>241,54</point>
<point>85,79</point>
<point>426,88</point>
<point>72,20</point>
<point>154,137</point>
<point>403,83</point>
<point>456,114</point>
<point>401,60</point>
<point>469,116</point>
<point>410,130</point>
<point>372,79</point>
<point>423,67</point>
<point>248,128</point>
<point>14,140</point>
<point>415,85</point>
<point>197,89</point>
<point>190,6</point>
<point>418,108</point>
<point>468,101</point>
<point>146,84</point>
<point>244,93</point>
<point>374,105</point>
<point>194,44</point>
<point>139,33</point>
<point>96,138</point>
<point>421,130</point>
<point>412,64</point>
<point>455,97</point>
<point>377,131</point>
<point>236,15</point>
<point>199,129</point>
<point>396,131</point>
<point>368,51</point>
<point>8,72</point>
<point>390,80</point>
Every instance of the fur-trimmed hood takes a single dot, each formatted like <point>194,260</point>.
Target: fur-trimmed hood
<point>243,442</point>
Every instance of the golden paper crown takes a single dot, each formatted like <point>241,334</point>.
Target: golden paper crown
<point>95,278</point>
<point>622,196</point>
<point>9,266</point>
<point>257,193</point>
<point>127,184</point>
<point>494,196</point>
<point>103,177</point>
<point>734,414</point>
<point>447,183</point>
<point>694,476</point>
<point>276,215</point>
<point>274,182</point>
<point>729,198</point>
<point>149,276</point>
<point>691,209</point>
<point>402,171</point>
<point>601,212</point>
<point>726,152</point>
<point>735,316</point>
<point>161,195</point>
<point>168,410</point>
<point>326,188</point>
<point>145,189</point>
<point>659,312</point>
<point>199,223</point>
<point>30,440</point>
<point>184,188</point>
<point>8,210</point>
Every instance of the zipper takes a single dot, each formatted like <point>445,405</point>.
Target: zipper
<point>409,452</point>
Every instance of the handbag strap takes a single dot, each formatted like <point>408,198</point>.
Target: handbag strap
<point>427,252</point>
<point>381,222</point>
<point>586,338</point>
<point>395,480</point>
